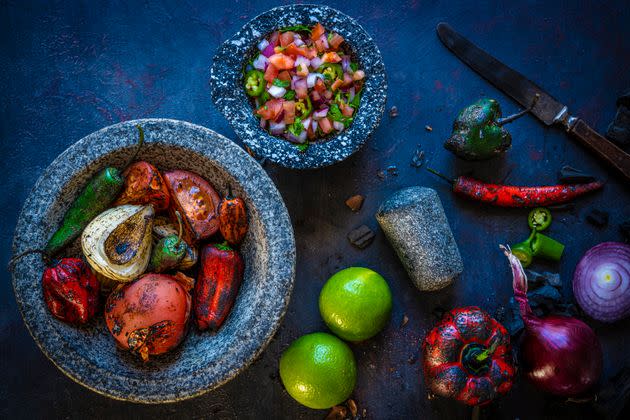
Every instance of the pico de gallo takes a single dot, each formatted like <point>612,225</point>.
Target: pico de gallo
<point>304,85</point>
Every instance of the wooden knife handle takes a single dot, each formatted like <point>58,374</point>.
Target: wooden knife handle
<point>602,147</point>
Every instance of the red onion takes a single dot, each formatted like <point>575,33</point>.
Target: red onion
<point>269,50</point>
<point>316,63</point>
<point>306,123</point>
<point>560,355</point>
<point>302,61</point>
<point>262,45</point>
<point>345,64</point>
<point>338,125</point>
<point>324,40</point>
<point>261,62</point>
<point>320,114</point>
<point>277,91</point>
<point>300,83</point>
<point>276,128</point>
<point>601,283</point>
<point>311,79</point>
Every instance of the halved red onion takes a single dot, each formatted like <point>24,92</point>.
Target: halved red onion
<point>601,283</point>
<point>311,79</point>
<point>262,45</point>
<point>316,63</point>
<point>276,128</point>
<point>338,125</point>
<point>317,115</point>
<point>261,62</point>
<point>268,51</point>
<point>276,91</point>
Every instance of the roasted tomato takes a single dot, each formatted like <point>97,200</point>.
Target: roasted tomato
<point>196,201</point>
<point>233,219</point>
<point>144,185</point>
<point>150,315</point>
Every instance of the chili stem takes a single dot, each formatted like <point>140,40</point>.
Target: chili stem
<point>506,120</point>
<point>487,352</point>
<point>179,235</point>
<point>138,146</point>
<point>444,177</point>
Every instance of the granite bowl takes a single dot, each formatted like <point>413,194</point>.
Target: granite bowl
<point>203,361</point>
<point>228,94</point>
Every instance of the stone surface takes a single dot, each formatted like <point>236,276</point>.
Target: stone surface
<point>203,361</point>
<point>414,222</point>
<point>226,80</point>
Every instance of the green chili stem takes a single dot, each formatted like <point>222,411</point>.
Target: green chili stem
<point>487,352</point>
<point>444,177</point>
<point>138,146</point>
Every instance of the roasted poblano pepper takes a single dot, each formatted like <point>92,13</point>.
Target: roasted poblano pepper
<point>93,200</point>
<point>169,251</point>
<point>478,131</point>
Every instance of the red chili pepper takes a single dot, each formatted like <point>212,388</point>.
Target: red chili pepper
<point>71,290</point>
<point>515,196</point>
<point>217,285</point>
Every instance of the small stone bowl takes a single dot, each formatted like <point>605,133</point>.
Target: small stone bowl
<point>203,361</point>
<point>228,93</point>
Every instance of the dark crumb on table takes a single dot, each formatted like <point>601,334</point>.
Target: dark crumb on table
<point>393,112</point>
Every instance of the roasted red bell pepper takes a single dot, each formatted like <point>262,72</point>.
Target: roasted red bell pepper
<point>233,219</point>
<point>217,285</point>
<point>144,185</point>
<point>71,290</point>
<point>467,356</point>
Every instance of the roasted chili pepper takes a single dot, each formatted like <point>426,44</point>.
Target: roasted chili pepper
<point>255,82</point>
<point>93,200</point>
<point>467,356</point>
<point>233,219</point>
<point>217,285</point>
<point>538,245</point>
<point>169,251</point>
<point>143,185</point>
<point>515,196</point>
<point>71,290</point>
<point>478,131</point>
<point>539,219</point>
<point>197,202</point>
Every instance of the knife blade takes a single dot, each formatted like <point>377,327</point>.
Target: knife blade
<point>547,109</point>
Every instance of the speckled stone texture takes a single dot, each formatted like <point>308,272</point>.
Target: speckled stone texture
<point>226,80</point>
<point>203,361</point>
<point>415,224</point>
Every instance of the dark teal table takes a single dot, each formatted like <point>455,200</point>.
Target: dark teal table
<point>68,69</point>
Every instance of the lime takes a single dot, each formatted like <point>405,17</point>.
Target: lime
<point>356,303</point>
<point>318,370</point>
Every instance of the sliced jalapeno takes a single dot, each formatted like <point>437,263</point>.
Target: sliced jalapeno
<point>331,71</point>
<point>255,82</point>
<point>539,219</point>
<point>303,107</point>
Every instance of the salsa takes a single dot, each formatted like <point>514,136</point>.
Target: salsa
<point>303,84</point>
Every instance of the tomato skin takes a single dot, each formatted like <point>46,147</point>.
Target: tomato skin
<point>196,201</point>
<point>317,32</point>
<point>294,51</point>
<point>282,62</point>
<point>335,41</point>
<point>336,84</point>
<point>271,109</point>
<point>271,73</point>
<point>144,185</point>
<point>286,38</point>
<point>325,125</point>
<point>331,57</point>
<point>289,112</point>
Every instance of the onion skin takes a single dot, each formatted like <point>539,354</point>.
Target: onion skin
<point>601,283</point>
<point>560,355</point>
<point>150,315</point>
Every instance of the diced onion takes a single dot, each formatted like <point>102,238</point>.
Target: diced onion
<point>302,60</point>
<point>320,114</point>
<point>351,94</point>
<point>261,62</point>
<point>277,91</point>
<point>298,41</point>
<point>311,79</point>
<point>316,63</point>
<point>345,64</point>
<point>338,125</point>
<point>306,123</point>
<point>302,136</point>
<point>314,125</point>
<point>276,128</point>
<point>262,45</point>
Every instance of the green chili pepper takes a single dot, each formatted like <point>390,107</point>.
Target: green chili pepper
<point>478,131</point>
<point>169,251</point>
<point>538,245</point>
<point>331,71</point>
<point>255,82</point>
<point>303,108</point>
<point>539,219</point>
<point>99,193</point>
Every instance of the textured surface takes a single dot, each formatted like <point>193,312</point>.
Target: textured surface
<point>203,361</point>
<point>226,80</point>
<point>67,70</point>
<point>414,222</point>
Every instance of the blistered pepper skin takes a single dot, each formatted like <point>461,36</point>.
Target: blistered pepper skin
<point>71,291</point>
<point>450,374</point>
<point>233,220</point>
<point>218,282</point>
<point>144,185</point>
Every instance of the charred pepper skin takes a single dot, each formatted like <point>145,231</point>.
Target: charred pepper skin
<point>93,200</point>
<point>71,291</point>
<point>476,133</point>
<point>144,185</point>
<point>515,196</point>
<point>450,357</point>
<point>218,282</point>
<point>233,219</point>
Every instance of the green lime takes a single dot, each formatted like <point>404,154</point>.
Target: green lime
<point>356,303</point>
<point>318,370</point>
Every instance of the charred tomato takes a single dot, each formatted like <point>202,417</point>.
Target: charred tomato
<point>144,185</point>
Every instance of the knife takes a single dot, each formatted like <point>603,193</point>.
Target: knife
<point>522,90</point>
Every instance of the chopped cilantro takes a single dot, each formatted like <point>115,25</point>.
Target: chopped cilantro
<point>265,97</point>
<point>302,147</point>
<point>335,114</point>
<point>296,28</point>
<point>281,83</point>
<point>355,101</point>
<point>289,95</point>
<point>296,128</point>
<point>354,67</point>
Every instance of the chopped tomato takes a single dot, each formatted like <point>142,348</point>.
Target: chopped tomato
<point>282,62</point>
<point>318,30</point>
<point>320,45</point>
<point>289,111</point>
<point>328,94</point>
<point>273,39</point>
<point>335,41</point>
<point>358,75</point>
<point>331,57</point>
<point>286,38</point>
<point>301,92</point>
<point>271,109</point>
<point>320,86</point>
<point>310,133</point>
<point>294,50</point>
<point>311,53</point>
<point>284,75</point>
<point>315,96</point>
<point>271,73</point>
<point>347,110</point>
<point>336,84</point>
<point>325,125</point>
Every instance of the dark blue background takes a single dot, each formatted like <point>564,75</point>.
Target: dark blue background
<point>68,69</point>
